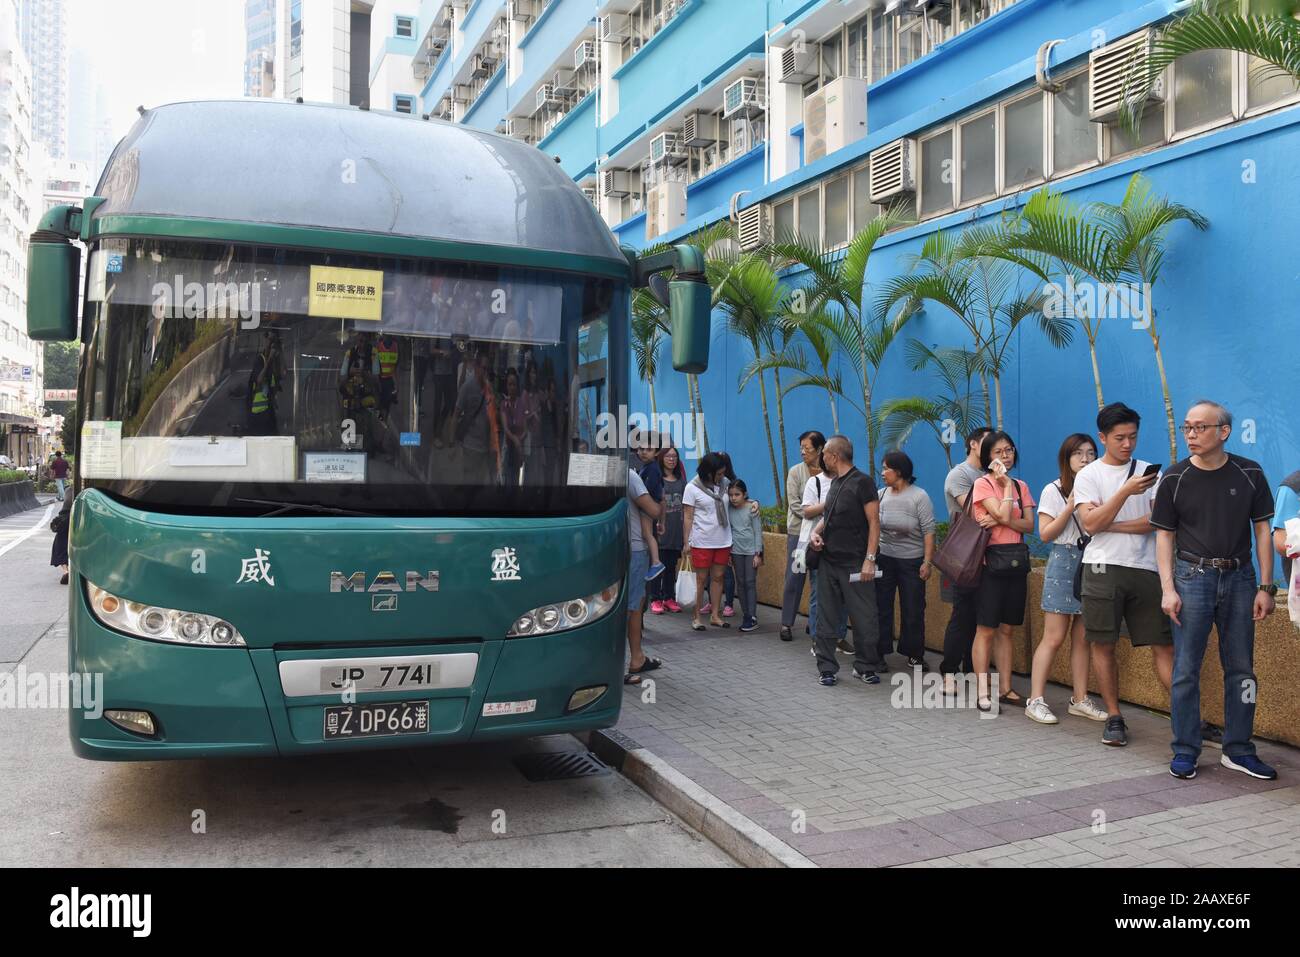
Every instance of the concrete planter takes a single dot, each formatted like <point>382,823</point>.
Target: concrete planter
<point>17,497</point>
<point>1277,654</point>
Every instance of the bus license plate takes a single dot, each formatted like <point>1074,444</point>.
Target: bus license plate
<point>376,720</point>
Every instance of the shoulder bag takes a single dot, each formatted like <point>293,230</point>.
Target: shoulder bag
<point>1011,558</point>
<point>961,556</point>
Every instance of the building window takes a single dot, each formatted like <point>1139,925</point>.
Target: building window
<point>863,209</point>
<point>936,173</point>
<point>1202,90</point>
<point>979,157</point>
<point>783,219</point>
<point>404,27</point>
<point>882,45</point>
<point>403,103</point>
<point>911,38</point>
<point>809,212</point>
<point>1023,161</point>
<point>837,212</point>
<point>1074,136</point>
<point>1151,132</point>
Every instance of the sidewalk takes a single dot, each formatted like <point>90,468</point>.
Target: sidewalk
<point>843,777</point>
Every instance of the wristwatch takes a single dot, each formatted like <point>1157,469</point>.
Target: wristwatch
<point>1270,588</point>
<point>871,558</point>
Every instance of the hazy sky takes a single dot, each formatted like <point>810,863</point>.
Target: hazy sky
<point>149,52</point>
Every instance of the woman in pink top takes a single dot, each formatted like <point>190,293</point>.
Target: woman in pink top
<point>1004,506</point>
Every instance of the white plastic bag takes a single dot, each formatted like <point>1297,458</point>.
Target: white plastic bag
<point>686,587</point>
<point>1293,586</point>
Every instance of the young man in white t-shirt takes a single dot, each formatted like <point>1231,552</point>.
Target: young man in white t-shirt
<point>1121,580</point>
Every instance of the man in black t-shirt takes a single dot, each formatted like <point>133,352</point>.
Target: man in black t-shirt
<point>846,537</point>
<point>1209,511</point>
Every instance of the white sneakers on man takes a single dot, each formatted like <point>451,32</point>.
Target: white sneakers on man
<point>1037,710</point>
<point>1087,708</point>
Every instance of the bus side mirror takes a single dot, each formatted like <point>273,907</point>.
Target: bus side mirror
<point>690,308</point>
<point>53,268</point>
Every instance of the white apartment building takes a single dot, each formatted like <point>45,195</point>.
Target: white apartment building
<point>21,359</point>
<point>45,40</point>
<point>322,50</point>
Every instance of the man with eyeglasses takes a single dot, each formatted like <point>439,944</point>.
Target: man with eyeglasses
<point>1210,509</point>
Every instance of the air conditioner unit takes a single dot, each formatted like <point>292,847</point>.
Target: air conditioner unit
<point>521,9</point>
<point>665,209</point>
<point>585,55</point>
<point>700,129</point>
<point>619,182</point>
<point>563,82</point>
<point>1109,69</point>
<point>667,148</point>
<point>798,64</point>
<point>742,141</point>
<point>614,26</point>
<point>834,117</point>
<point>754,227</point>
<point>521,128</point>
<point>547,97</point>
<point>743,98</point>
<point>590,193</point>
<point>892,170</point>
<point>481,66</point>
<point>501,34</point>
<point>460,93</point>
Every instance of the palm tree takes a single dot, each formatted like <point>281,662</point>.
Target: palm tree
<point>951,415</point>
<point>1270,33</point>
<point>753,300</point>
<point>1137,227</point>
<point>649,330</point>
<point>839,287</point>
<point>1054,236</point>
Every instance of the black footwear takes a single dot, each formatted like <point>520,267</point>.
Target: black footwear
<point>749,624</point>
<point>870,678</point>
<point>918,663</point>
<point>827,680</point>
<point>1116,733</point>
<point>1211,736</point>
<point>786,634</point>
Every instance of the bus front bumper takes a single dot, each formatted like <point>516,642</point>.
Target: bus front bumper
<point>229,702</point>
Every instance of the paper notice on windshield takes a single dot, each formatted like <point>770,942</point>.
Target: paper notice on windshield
<point>334,466</point>
<point>215,450</point>
<point>339,293</point>
<point>101,450</point>
<point>596,469</point>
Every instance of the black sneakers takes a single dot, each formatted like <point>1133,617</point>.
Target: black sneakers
<point>1116,733</point>
<point>786,634</point>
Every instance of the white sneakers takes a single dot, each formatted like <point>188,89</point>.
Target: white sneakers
<point>1037,710</point>
<point>1087,708</point>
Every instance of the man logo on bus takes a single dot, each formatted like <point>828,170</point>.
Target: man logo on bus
<point>257,569</point>
<point>505,565</point>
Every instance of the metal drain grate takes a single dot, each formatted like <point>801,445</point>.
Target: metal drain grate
<point>560,765</point>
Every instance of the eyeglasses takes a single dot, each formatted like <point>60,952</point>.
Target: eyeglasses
<point>1199,428</point>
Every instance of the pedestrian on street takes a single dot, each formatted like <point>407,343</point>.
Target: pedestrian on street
<point>1287,505</point>
<point>59,550</point>
<point>708,536</point>
<point>746,552</point>
<point>1003,505</point>
<point>645,446</point>
<point>1210,509</point>
<point>639,502</point>
<point>1121,581</point>
<point>847,536</point>
<point>59,469</point>
<point>960,633</point>
<point>1058,526</point>
<point>814,505</point>
<point>662,589</point>
<point>810,448</point>
<point>906,547</point>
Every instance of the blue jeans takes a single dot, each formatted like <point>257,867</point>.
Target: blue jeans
<point>1224,600</point>
<point>58,484</point>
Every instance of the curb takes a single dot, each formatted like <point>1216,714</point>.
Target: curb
<point>746,842</point>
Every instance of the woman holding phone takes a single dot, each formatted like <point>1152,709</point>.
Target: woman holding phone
<point>1003,505</point>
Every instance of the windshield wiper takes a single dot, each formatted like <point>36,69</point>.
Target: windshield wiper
<point>282,507</point>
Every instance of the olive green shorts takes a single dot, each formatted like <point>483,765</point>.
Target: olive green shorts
<point>1121,596</point>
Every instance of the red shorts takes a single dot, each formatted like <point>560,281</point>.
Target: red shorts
<point>702,558</point>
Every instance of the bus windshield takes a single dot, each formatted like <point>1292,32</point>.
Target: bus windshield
<point>254,379</point>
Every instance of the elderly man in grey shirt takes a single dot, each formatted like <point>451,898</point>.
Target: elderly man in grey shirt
<point>810,450</point>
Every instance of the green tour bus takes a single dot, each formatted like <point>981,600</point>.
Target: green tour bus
<point>341,475</point>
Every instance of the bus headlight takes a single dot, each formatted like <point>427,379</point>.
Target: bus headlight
<point>565,615</point>
<point>161,624</point>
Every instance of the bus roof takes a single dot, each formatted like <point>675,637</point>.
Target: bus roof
<point>320,166</point>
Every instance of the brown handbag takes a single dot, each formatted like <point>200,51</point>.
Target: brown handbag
<point>961,556</point>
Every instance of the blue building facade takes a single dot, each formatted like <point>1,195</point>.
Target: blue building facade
<point>675,114</point>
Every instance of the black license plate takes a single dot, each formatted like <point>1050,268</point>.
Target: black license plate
<point>376,720</point>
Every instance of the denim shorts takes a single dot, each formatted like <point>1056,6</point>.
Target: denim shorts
<point>636,572</point>
<point>1058,581</point>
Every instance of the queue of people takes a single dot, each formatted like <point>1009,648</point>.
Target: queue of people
<point>1154,558</point>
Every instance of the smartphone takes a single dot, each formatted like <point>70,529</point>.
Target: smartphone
<point>1152,469</point>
